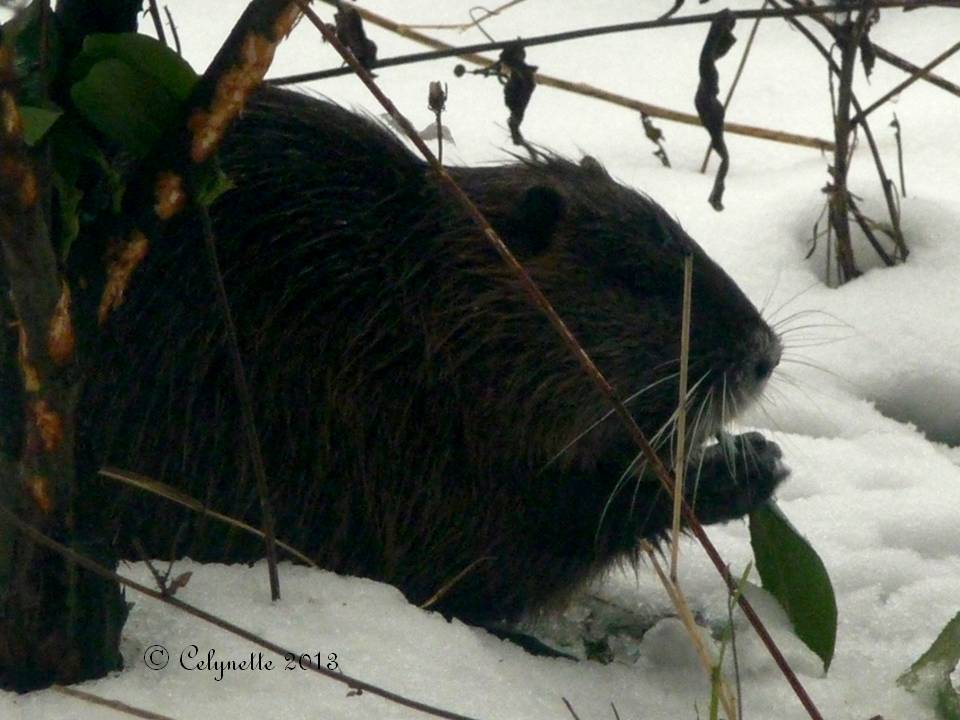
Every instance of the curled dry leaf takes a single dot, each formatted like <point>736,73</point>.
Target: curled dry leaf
<point>868,55</point>
<point>350,32</point>
<point>719,40</point>
<point>655,135</point>
<point>430,133</point>
<point>519,87</point>
<point>180,581</point>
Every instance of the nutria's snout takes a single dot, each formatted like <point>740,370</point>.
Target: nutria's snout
<point>769,352</point>
<point>748,371</point>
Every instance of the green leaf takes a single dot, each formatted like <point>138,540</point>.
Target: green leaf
<point>36,59</point>
<point>36,122</point>
<point>130,87</point>
<point>210,182</point>
<point>125,105</point>
<point>146,56</point>
<point>74,150</point>
<point>930,674</point>
<point>68,207</point>
<point>794,574</point>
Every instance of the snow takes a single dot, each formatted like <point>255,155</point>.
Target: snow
<point>866,404</point>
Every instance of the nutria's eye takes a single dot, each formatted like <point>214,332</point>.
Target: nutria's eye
<point>534,219</point>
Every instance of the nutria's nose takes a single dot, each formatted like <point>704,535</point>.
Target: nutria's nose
<point>769,357</point>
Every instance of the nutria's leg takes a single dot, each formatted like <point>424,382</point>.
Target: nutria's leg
<point>725,482</point>
<point>736,476</point>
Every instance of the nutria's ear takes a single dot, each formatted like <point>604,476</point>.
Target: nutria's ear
<point>591,165</point>
<point>534,219</point>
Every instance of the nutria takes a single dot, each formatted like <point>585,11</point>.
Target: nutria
<point>418,415</point>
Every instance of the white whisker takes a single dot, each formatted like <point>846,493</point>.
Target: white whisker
<point>604,417</point>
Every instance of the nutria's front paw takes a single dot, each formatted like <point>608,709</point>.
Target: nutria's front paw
<point>736,475</point>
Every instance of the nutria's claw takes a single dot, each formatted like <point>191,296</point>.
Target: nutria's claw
<point>758,444</point>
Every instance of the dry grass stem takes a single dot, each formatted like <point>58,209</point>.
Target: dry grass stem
<point>167,492</point>
<point>693,630</point>
<point>680,463</point>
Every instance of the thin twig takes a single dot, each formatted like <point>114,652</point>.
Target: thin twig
<point>247,419</point>
<point>335,675</point>
<point>573,712</point>
<point>864,224</point>
<point>920,73</point>
<point>449,584</point>
<point>162,490</point>
<point>159,578</point>
<point>474,22</point>
<point>173,30</point>
<point>887,56</point>
<point>586,363</point>
<point>116,705</point>
<point>157,22</point>
<point>915,5</point>
<point>736,81</point>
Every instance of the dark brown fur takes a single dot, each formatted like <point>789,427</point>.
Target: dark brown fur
<point>416,412</point>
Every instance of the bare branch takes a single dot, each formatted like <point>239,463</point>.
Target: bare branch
<point>556,82</point>
<point>884,54</point>
<point>920,74</point>
<point>115,705</point>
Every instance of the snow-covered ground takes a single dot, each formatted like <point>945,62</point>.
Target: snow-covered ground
<point>866,405</point>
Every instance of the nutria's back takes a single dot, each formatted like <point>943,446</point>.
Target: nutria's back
<point>417,414</point>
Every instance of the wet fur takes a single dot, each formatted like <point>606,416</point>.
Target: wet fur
<point>415,411</point>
